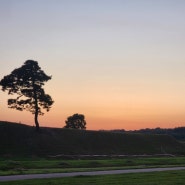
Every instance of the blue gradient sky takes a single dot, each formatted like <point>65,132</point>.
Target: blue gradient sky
<point>121,63</point>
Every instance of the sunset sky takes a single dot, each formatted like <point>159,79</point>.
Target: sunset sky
<point>121,63</point>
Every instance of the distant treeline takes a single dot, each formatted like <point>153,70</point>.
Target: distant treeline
<point>178,133</point>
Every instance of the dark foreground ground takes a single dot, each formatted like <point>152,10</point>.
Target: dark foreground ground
<point>23,141</point>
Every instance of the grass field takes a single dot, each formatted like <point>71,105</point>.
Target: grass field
<point>28,166</point>
<point>155,178</point>
<point>24,151</point>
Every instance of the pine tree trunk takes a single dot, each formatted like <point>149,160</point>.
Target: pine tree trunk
<point>36,107</point>
<point>36,120</point>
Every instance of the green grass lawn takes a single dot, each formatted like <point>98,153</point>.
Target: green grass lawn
<point>28,166</point>
<point>155,178</point>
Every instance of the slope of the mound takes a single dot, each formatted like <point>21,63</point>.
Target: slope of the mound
<point>23,140</point>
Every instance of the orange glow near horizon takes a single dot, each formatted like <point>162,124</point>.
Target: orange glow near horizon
<point>106,115</point>
<point>99,123</point>
<point>108,108</point>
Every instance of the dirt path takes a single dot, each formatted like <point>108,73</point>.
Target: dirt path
<point>57,175</point>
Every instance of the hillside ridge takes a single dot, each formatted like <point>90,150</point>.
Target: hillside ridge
<point>22,140</point>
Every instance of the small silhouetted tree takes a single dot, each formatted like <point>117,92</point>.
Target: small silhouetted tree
<point>76,121</point>
<point>27,82</point>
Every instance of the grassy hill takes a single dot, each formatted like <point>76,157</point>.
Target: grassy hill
<point>22,140</point>
<point>178,133</point>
